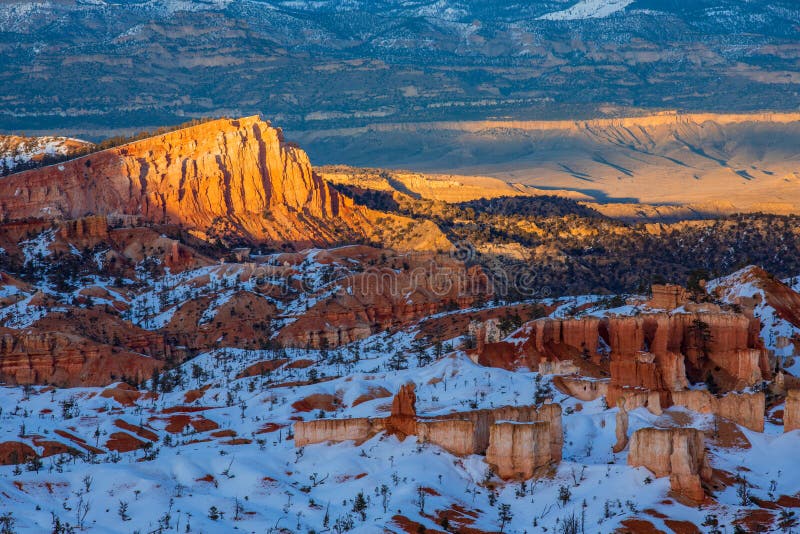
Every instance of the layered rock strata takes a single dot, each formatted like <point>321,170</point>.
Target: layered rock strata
<point>227,177</point>
<point>519,450</point>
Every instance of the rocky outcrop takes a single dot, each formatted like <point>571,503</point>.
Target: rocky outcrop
<point>15,452</point>
<point>108,329</point>
<point>403,419</point>
<point>621,429</point>
<point>791,411</point>
<point>383,297</point>
<point>746,409</point>
<point>456,436</point>
<point>544,340</point>
<point>93,229</point>
<point>34,357</point>
<point>322,430</point>
<point>585,389</point>
<point>228,177</point>
<point>462,434</point>
<point>482,421</point>
<point>678,453</point>
<point>519,450</point>
<point>667,297</point>
<point>656,351</point>
<point>566,367</point>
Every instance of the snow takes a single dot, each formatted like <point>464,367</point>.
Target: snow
<point>38,248</point>
<point>278,486</point>
<point>775,331</point>
<point>14,150</point>
<point>589,9</point>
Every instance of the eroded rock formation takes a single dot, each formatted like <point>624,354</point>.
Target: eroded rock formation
<point>384,298</point>
<point>403,419</point>
<point>656,351</point>
<point>519,450</point>
<point>34,357</point>
<point>667,297</point>
<point>791,411</point>
<point>678,453</point>
<point>462,433</point>
<point>582,388</point>
<point>621,429</point>
<point>322,430</point>
<point>746,409</point>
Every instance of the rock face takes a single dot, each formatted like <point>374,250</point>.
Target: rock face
<point>678,453</point>
<point>322,430</point>
<point>32,357</point>
<point>457,436</point>
<point>621,428</point>
<point>223,177</point>
<point>516,452</point>
<point>746,409</point>
<point>655,351</point>
<point>403,419</point>
<point>791,411</point>
<point>519,450</point>
<point>95,228</point>
<point>667,297</point>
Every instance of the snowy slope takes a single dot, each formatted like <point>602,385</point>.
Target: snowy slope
<point>776,332</point>
<point>16,150</point>
<point>589,9</point>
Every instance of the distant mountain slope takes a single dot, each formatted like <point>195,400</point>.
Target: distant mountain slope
<point>711,164</point>
<point>323,64</point>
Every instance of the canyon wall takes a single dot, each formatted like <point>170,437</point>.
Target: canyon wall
<point>32,357</point>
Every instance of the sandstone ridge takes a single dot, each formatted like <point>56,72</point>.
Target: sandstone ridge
<point>227,178</point>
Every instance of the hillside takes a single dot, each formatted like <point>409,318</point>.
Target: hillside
<point>319,65</point>
<point>292,390</point>
<point>702,164</point>
<point>19,152</point>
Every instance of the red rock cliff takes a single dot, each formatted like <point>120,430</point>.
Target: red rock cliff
<point>237,176</point>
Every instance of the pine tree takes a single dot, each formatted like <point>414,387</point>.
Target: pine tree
<point>360,505</point>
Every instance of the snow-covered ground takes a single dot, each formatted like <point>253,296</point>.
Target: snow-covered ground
<point>217,453</point>
<point>17,150</point>
<point>197,482</point>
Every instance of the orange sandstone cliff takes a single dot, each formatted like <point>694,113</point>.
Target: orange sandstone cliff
<point>224,178</point>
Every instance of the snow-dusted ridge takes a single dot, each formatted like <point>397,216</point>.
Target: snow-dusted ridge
<point>589,9</point>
